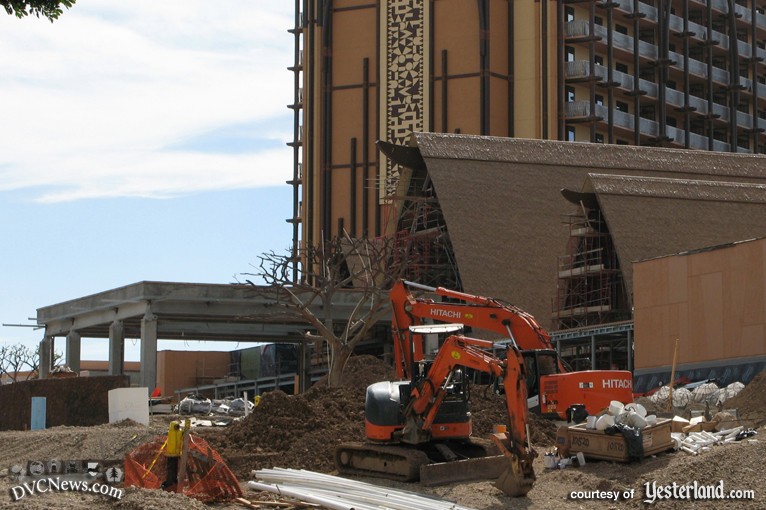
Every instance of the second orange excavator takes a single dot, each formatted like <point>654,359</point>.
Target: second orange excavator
<point>409,423</point>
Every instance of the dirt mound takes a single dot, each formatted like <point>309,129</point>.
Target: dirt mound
<point>489,409</point>
<point>751,401</point>
<point>302,431</point>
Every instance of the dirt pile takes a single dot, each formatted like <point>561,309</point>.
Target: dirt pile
<point>751,401</point>
<point>302,431</point>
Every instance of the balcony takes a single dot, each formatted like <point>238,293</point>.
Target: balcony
<point>581,109</point>
<point>675,98</point>
<point>699,31</point>
<point>580,28</point>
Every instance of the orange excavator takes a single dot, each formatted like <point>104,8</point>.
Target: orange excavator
<point>554,390</point>
<point>410,423</point>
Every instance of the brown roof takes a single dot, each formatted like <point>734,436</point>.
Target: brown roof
<point>649,217</point>
<point>503,207</point>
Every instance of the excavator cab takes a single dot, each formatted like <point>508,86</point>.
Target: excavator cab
<point>539,363</point>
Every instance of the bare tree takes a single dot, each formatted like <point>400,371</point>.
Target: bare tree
<point>356,267</point>
<point>17,359</point>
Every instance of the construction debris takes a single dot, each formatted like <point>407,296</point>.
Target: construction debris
<point>700,442</point>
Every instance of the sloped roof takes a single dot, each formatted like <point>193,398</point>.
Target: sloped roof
<point>649,217</point>
<point>504,211</point>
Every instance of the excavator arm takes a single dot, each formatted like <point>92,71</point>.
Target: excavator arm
<point>428,394</point>
<point>476,311</point>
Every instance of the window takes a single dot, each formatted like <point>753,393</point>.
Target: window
<point>621,29</point>
<point>670,121</point>
<point>671,84</point>
<point>623,68</point>
<point>622,107</point>
<point>599,99</point>
<point>570,53</point>
<point>599,138</point>
<point>570,134</point>
<point>569,13</point>
<point>622,142</point>
<point>598,20</point>
<point>570,94</point>
<point>599,60</point>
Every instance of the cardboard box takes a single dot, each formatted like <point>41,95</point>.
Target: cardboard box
<point>598,445</point>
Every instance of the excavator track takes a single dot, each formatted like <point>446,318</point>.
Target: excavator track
<point>385,461</point>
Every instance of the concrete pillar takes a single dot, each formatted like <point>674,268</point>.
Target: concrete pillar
<point>149,351</point>
<point>46,348</point>
<point>73,351</point>
<point>116,348</point>
<point>630,350</point>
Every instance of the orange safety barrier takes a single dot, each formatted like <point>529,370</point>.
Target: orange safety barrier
<point>208,478</point>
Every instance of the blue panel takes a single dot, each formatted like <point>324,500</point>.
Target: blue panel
<point>38,413</point>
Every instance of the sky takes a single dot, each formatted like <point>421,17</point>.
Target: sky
<point>140,140</point>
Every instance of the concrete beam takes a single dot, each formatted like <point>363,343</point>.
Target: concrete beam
<point>73,351</point>
<point>149,351</point>
<point>116,348</point>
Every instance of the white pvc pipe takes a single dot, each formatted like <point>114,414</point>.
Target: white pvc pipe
<point>302,496</point>
<point>365,494</point>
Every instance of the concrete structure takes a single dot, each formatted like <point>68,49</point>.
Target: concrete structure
<point>175,311</point>
<point>712,300</point>
<point>676,73</point>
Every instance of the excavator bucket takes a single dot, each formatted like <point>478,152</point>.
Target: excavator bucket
<point>512,484</point>
<point>518,477</point>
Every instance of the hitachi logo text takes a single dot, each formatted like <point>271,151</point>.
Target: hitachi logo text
<point>450,314</point>
<point>618,383</point>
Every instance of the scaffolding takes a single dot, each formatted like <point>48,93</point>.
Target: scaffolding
<point>589,283</point>
<point>422,251</point>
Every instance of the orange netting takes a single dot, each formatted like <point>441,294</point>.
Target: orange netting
<point>208,479</point>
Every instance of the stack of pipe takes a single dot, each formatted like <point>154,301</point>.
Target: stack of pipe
<point>698,442</point>
<point>342,494</point>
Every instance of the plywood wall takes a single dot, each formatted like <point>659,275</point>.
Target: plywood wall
<point>713,301</point>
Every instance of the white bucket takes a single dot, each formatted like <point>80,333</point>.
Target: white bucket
<point>637,420</point>
<point>651,420</point>
<point>615,407</point>
<point>604,421</point>
<point>590,422</point>
<point>549,461</point>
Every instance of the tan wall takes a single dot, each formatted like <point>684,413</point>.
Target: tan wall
<point>184,369</point>
<point>714,302</point>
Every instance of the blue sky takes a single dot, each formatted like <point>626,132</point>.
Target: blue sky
<point>140,140</point>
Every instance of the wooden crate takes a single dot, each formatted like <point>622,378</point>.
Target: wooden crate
<point>598,445</point>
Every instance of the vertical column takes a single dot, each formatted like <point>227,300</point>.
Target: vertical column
<point>73,351</point>
<point>116,348</point>
<point>46,347</point>
<point>630,350</point>
<point>593,352</point>
<point>306,360</point>
<point>149,351</point>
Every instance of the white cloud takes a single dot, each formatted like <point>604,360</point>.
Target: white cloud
<point>92,102</point>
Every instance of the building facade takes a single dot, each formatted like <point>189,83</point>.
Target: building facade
<point>680,73</point>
